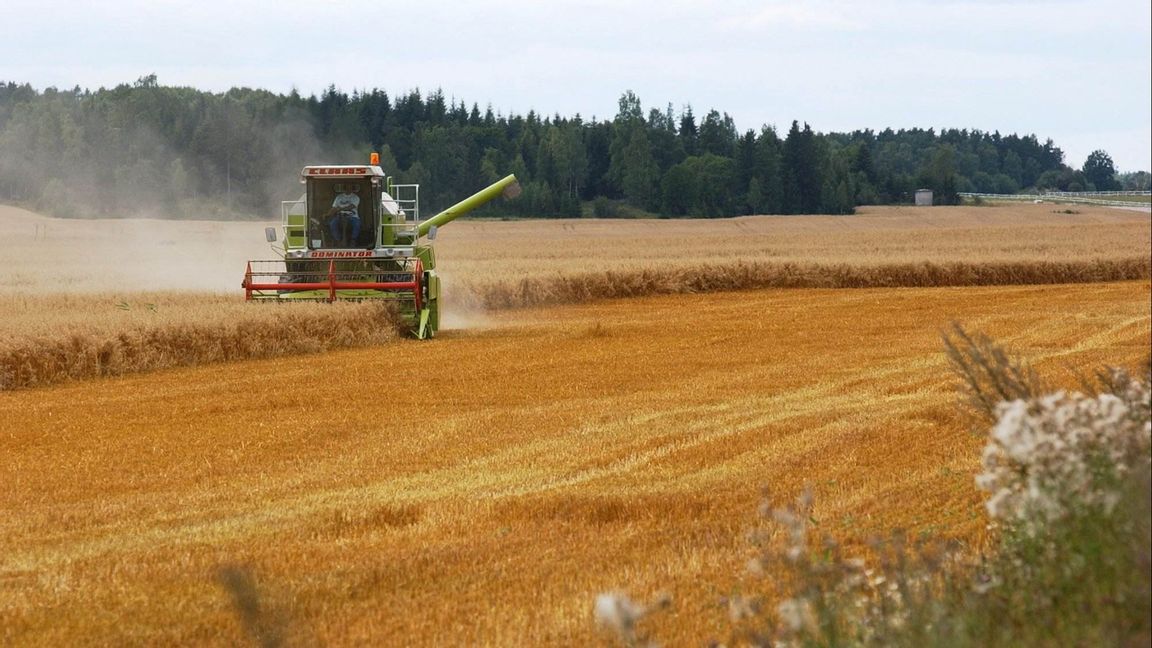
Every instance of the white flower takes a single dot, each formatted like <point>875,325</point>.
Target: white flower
<point>1059,451</point>
<point>795,614</point>
<point>618,612</point>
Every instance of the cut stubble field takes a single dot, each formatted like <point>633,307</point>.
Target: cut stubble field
<point>555,455</point>
<point>483,487</point>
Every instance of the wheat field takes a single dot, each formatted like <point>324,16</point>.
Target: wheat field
<point>874,236</point>
<point>483,487</point>
<point>105,297</point>
<point>61,337</point>
<point>131,255</point>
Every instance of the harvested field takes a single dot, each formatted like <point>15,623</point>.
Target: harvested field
<point>483,487</point>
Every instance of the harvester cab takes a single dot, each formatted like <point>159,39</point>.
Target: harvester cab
<point>357,235</point>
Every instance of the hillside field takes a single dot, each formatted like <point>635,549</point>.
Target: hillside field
<point>483,487</point>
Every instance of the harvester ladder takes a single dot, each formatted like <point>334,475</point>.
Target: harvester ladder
<point>294,222</point>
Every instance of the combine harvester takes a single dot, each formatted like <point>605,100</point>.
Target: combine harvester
<point>355,235</point>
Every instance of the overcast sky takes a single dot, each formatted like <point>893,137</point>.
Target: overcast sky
<point>1077,72</point>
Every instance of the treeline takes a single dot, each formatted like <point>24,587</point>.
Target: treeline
<point>147,149</point>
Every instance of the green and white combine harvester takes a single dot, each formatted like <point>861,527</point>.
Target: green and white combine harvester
<point>388,255</point>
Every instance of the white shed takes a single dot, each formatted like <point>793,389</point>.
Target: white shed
<point>923,197</point>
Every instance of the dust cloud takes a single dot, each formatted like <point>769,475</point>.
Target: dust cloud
<point>236,168</point>
<point>460,310</point>
<point>131,254</point>
<point>129,213</point>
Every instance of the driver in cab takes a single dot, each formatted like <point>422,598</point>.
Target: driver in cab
<point>344,217</point>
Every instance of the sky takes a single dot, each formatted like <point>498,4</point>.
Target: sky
<point>1079,73</point>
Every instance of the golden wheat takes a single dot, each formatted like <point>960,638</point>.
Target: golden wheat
<point>482,488</point>
<point>48,339</point>
<point>70,310</point>
<point>45,342</point>
<point>583,287</point>
<point>510,251</point>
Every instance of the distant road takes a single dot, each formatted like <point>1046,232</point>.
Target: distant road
<point>1099,198</point>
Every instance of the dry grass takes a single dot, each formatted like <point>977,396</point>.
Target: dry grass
<point>990,374</point>
<point>482,488</point>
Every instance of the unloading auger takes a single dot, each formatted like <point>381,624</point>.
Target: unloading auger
<point>356,235</point>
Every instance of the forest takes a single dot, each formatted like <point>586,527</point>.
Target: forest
<point>144,149</point>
